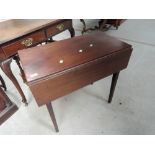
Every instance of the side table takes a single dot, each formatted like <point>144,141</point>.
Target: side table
<point>65,66</point>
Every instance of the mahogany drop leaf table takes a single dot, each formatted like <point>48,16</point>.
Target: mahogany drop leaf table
<point>59,68</point>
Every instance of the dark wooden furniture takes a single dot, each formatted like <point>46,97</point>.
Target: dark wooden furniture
<point>19,34</point>
<point>7,107</point>
<point>115,22</point>
<point>2,83</point>
<point>103,24</point>
<point>65,66</point>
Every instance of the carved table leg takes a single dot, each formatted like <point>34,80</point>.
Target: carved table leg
<point>72,32</point>
<point>113,85</point>
<point>5,66</point>
<point>51,112</point>
<point>3,83</point>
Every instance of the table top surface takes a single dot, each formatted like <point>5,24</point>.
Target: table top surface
<point>14,28</point>
<point>53,58</point>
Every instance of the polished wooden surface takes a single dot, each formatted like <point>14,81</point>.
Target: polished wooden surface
<point>19,34</point>
<point>15,28</point>
<point>52,87</point>
<point>107,56</point>
<point>11,49</point>
<point>68,65</point>
<point>49,57</point>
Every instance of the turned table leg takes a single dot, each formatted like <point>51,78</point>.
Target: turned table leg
<point>72,32</point>
<point>51,112</point>
<point>6,67</point>
<point>16,58</point>
<point>113,85</point>
<point>3,83</point>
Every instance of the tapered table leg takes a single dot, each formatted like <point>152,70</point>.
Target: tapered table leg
<point>3,83</point>
<point>6,67</point>
<point>113,85</point>
<point>51,112</point>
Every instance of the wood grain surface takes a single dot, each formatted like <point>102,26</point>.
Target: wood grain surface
<point>39,62</point>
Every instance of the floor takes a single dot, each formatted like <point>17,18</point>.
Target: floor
<point>86,111</point>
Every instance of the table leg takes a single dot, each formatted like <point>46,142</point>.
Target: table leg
<point>84,25</point>
<point>51,112</point>
<point>50,40</point>
<point>3,83</point>
<point>113,85</point>
<point>102,24</point>
<point>7,107</point>
<point>6,67</point>
<point>72,32</point>
<point>4,98</point>
<point>16,58</point>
